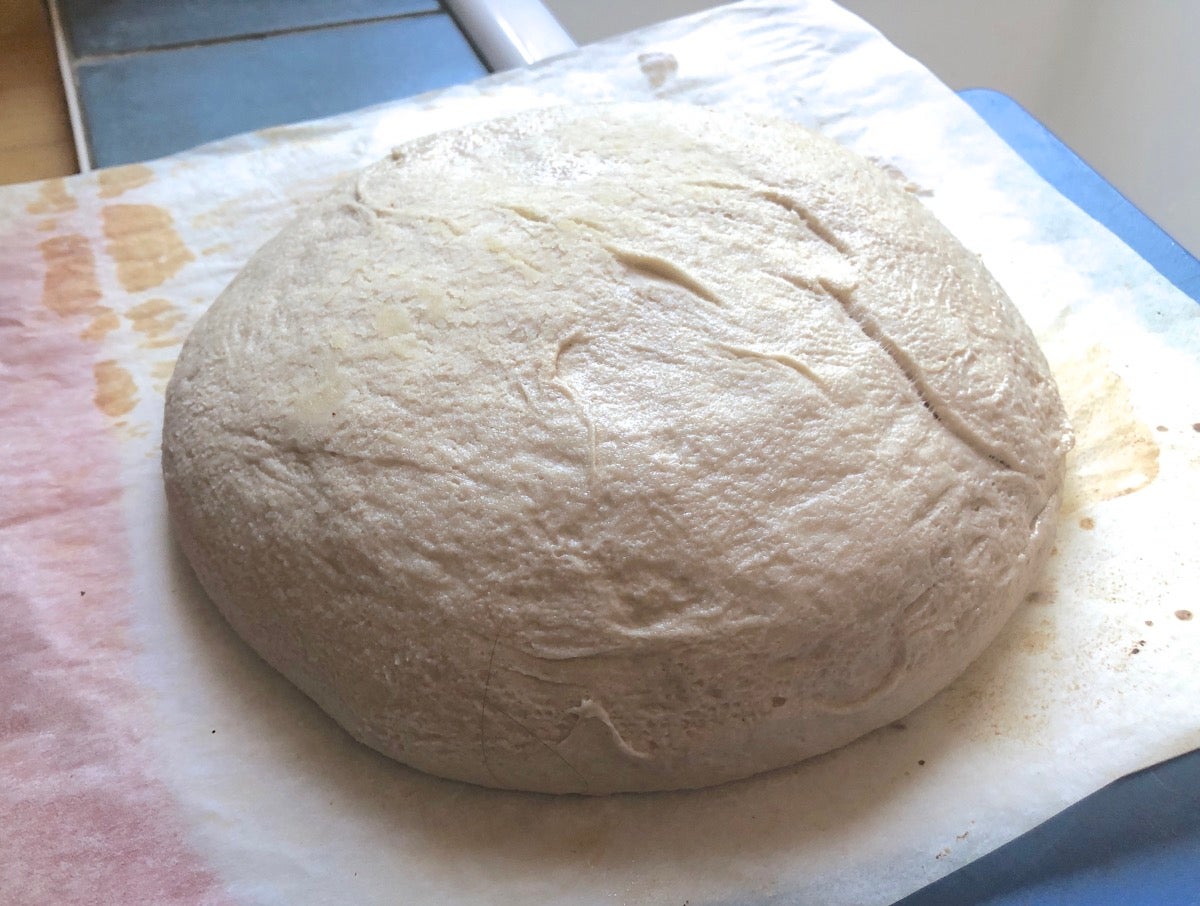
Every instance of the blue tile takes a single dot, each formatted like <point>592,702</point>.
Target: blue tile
<point>145,105</point>
<point>101,27</point>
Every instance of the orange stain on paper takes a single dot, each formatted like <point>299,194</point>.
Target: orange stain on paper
<point>104,322</point>
<point>116,180</point>
<point>155,318</point>
<point>143,243</point>
<point>53,198</point>
<point>1115,454</point>
<point>116,393</point>
<point>70,286</point>
<point>160,373</point>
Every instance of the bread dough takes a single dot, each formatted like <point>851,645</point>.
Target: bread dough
<point>615,448</point>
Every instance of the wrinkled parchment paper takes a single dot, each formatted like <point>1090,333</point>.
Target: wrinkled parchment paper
<point>146,755</point>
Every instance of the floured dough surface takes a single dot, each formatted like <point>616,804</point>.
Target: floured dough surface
<point>619,448</point>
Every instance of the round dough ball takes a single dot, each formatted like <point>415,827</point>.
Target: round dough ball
<point>619,448</point>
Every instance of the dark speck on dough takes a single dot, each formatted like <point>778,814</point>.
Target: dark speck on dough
<point>1196,427</point>
<point>778,701</point>
<point>1087,522</point>
<point>1184,615</point>
<point>1162,428</point>
<point>921,762</point>
<point>1149,622</point>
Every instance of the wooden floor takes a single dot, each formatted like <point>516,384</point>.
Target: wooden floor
<point>35,132</point>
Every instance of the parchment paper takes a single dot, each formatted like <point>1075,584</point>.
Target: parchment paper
<point>146,755</point>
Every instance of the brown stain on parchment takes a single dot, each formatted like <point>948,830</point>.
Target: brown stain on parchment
<point>658,67</point>
<point>116,393</point>
<point>104,322</point>
<point>160,375</point>
<point>49,225</point>
<point>117,180</point>
<point>1038,639</point>
<point>133,432</point>
<point>53,198</point>
<point>143,243</point>
<point>154,319</point>
<point>1115,454</point>
<point>70,286</point>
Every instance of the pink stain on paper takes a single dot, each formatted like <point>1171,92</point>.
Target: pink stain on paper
<point>83,818</point>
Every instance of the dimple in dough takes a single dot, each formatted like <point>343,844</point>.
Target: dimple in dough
<point>615,448</point>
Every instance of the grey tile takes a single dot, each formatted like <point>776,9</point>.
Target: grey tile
<point>145,105</point>
<point>116,26</point>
